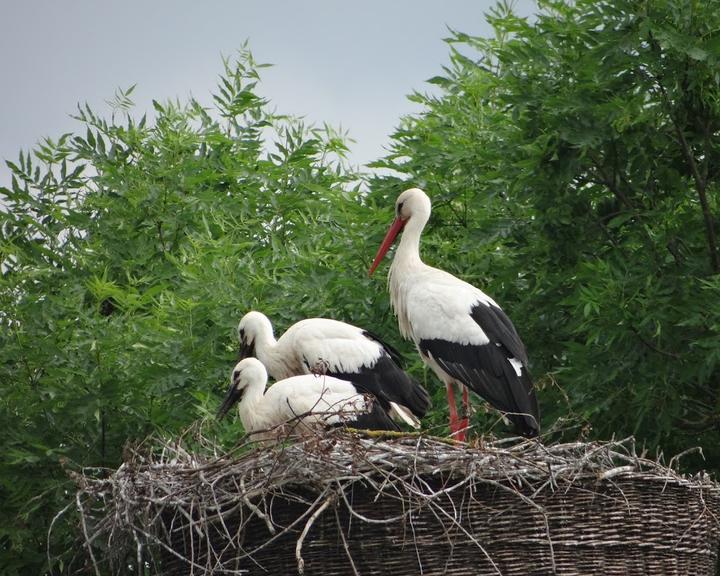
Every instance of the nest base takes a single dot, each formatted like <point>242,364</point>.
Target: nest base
<point>348,504</point>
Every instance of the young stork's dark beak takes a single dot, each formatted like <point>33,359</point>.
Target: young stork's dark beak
<point>232,396</point>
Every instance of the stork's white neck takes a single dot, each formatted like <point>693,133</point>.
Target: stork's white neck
<point>266,350</point>
<point>408,251</point>
<point>406,262</point>
<point>250,415</point>
<point>265,343</point>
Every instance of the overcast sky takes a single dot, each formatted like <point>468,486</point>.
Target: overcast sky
<point>351,64</point>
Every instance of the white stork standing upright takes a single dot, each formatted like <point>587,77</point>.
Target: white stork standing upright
<point>333,348</point>
<point>309,399</point>
<point>460,332</point>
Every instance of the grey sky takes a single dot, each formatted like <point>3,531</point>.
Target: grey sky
<point>351,64</point>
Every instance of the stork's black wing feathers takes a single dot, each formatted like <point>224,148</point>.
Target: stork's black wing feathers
<point>486,368</point>
<point>389,383</point>
<point>386,380</point>
<point>499,329</point>
<point>376,419</point>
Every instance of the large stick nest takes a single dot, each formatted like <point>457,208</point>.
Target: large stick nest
<point>342,502</point>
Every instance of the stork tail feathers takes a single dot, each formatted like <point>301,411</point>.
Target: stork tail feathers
<point>399,412</point>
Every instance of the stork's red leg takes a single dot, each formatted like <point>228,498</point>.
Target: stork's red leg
<point>453,409</point>
<point>464,415</point>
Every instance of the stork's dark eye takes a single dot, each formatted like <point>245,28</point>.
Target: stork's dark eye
<point>399,208</point>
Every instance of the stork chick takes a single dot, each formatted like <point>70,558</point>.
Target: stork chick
<point>301,402</point>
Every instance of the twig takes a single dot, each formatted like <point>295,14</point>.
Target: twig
<point>254,508</point>
<point>85,532</point>
<point>308,525</point>
<point>345,544</point>
<point>50,529</point>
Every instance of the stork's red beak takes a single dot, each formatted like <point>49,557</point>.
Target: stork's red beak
<point>392,233</point>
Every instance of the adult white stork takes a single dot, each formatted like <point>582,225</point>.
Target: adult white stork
<point>303,401</point>
<point>333,348</point>
<point>460,332</point>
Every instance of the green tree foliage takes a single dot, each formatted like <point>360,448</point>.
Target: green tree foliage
<point>573,161</point>
<point>129,253</point>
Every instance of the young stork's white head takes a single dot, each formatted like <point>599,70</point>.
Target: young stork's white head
<point>253,327</point>
<point>248,376</point>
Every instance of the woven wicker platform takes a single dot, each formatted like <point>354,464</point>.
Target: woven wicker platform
<point>346,504</point>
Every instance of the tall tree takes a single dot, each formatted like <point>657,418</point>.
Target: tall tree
<point>128,253</point>
<point>574,164</point>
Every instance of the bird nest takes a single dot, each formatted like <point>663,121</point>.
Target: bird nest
<point>343,502</point>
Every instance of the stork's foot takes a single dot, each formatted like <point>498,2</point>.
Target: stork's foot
<point>458,429</point>
<point>463,423</point>
<point>461,431</point>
